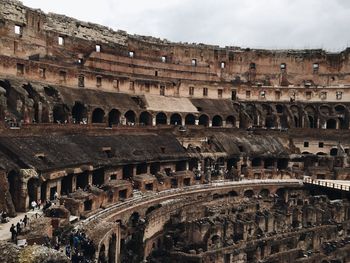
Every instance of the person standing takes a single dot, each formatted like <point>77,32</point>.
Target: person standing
<point>18,228</point>
<point>25,220</point>
<point>13,232</point>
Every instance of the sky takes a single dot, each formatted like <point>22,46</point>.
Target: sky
<point>272,24</point>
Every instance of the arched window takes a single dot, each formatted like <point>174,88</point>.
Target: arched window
<point>98,115</point>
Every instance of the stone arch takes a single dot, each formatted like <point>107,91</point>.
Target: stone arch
<point>145,118</point>
<point>331,124</point>
<point>161,118</point>
<point>204,120</point>
<point>79,113</point>
<point>175,119</point>
<point>217,121</point>
<point>98,115</point>
<point>130,117</point>
<point>296,118</point>
<point>113,117</point>
<point>252,113</point>
<point>311,117</point>
<point>248,193</point>
<point>190,119</point>
<point>231,121</point>
<point>60,113</point>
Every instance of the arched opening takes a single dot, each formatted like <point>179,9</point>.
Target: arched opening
<point>311,122</point>
<point>113,117</point>
<point>311,117</point>
<point>134,219</point>
<point>145,118</point>
<point>340,109</point>
<point>217,121</point>
<point>32,186</point>
<point>231,121</point>
<point>331,124</point>
<point>279,108</point>
<point>321,153</point>
<point>190,119</point>
<point>249,193</point>
<point>232,194</point>
<point>334,152</point>
<point>79,113</point>
<point>204,120</point>
<point>161,119</point>
<point>296,122</point>
<point>98,115</point>
<point>112,249</point>
<point>270,121</point>
<point>102,254</point>
<point>256,162</point>
<point>175,119</point>
<point>60,114</point>
<point>264,193</point>
<point>130,117</point>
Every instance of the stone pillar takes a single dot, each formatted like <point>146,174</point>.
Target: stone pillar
<point>74,183</point>
<point>183,121</point>
<point>223,123</point>
<point>187,166</point>
<point>196,122</point>
<point>154,121</point>
<point>168,121</point>
<point>90,177</point>
<point>237,124</point>
<point>210,123</point>
<point>148,169</point>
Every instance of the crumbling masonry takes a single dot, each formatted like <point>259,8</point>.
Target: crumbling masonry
<point>174,152</point>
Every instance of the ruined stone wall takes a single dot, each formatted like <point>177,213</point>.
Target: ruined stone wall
<point>6,203</point>
<point>102,56</point>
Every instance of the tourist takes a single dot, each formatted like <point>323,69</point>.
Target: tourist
<point>13,232</point>
<point>25,220</point>
<point>18,228</point>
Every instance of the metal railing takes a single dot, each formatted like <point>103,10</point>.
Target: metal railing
<point>328,184</point>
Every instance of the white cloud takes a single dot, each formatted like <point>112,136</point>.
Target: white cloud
<point>248,23</point>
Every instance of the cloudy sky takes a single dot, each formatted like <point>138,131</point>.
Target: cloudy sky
<point>246,23</point>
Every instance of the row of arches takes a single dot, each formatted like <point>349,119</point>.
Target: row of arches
<point>79,113</point>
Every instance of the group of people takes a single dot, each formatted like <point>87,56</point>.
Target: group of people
<point>19,228</point>
<point>76,245</point>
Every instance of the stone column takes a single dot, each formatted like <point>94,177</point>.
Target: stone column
<point>154,121</point>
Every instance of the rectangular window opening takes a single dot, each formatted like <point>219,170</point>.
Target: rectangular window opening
<point>18,30</point>
<point>194,62</point>
<point>81,81</point>
<point>98,81</point>
<point>20,69</point>
<point>162,91</point>
<point>191,91</point>
<point>98,48</point>
<point>306,144</point>
<point>60,41</point>
<point>205,92</point>
<point>220,92</point>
